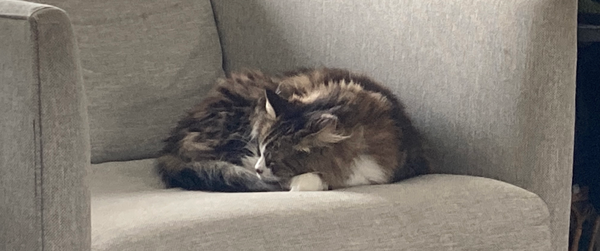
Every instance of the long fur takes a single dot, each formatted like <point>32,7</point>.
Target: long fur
<point>308,121</point>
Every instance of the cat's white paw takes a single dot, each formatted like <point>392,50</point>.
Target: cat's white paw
<point>307,182</point>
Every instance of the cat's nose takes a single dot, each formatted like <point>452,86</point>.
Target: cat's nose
<point>259,171</point>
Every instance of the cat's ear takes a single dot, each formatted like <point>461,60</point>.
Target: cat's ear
<point>274,104</point>
<point>324,132</point>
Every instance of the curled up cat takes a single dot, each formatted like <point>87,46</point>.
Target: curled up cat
<point>307,130</point>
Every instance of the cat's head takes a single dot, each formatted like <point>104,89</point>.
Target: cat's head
<point>291,132</point>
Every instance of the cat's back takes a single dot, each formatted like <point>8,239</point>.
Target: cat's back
<point>389,142</point>
<point>241,87</point>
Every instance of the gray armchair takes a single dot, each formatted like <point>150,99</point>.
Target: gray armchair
<point>88,93</point>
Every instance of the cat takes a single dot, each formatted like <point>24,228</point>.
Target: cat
<point>305,130</point>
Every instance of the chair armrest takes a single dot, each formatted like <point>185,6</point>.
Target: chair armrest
<point>44,139</point>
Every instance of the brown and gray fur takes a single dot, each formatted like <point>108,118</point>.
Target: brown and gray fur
<point>256,133</point>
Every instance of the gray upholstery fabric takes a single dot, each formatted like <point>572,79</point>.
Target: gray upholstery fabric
<point>490,83</point>
<point>44,142</point>
<point>144,63</point>
<point>19,208</point>
<point>131,211</point>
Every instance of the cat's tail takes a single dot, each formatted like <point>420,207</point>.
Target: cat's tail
<point>214,176</point>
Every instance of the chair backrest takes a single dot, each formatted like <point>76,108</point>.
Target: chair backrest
<point>490,83</point>
<point>471,73</point>
<point>144,63</point>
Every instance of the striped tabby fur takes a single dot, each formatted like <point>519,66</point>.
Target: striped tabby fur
<point>311,129</point>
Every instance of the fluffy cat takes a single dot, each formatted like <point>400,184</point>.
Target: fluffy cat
<point>311,129</point>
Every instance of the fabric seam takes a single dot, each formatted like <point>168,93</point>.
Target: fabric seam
<point>219,34</point>
<point>35,34</point>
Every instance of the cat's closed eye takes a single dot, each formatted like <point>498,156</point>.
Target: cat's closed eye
<point>269,163</point>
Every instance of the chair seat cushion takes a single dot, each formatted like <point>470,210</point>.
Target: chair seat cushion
<point>131,211</point>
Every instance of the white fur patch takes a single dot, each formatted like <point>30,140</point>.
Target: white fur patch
<point>262,171</point>
<point>260,161</point>
<point>366,171</point>
<point>249,162</point>
<point>307,182</point>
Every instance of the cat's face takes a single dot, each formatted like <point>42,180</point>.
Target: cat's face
<point>290,135</point>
